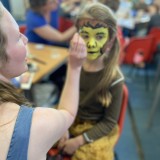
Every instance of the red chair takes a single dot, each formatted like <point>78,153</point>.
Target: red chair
<point>155,31</point>
<point>22,28</point>
<point>122,113</point>
<point>52,153</point>
<point>139,45</point>
<point>123,109</point>
<point>122,42</point>
<point>138,54</point>
<point>64,23</point>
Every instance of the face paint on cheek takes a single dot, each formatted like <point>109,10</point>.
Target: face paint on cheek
<point>93,56</point>
<point>95,39</point>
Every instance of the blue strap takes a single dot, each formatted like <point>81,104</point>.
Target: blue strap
<point>18,149</point>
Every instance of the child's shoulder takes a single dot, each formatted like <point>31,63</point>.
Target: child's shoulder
<point>119,78</point>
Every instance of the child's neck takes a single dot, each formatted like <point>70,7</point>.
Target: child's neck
<point>93,65</point>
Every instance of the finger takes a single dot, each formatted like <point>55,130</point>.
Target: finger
<point>81,51</point>
<point>74,39</point>
<point>67,151</point>
<point>78,47</point>
<point>77,41</point>
<point>60,145</point>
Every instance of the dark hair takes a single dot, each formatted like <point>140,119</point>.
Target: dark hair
<point>36,5</point>
<point>113,4</point>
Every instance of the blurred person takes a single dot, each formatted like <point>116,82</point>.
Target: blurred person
<point>42,23</point>
<point>114,5</point>
<point>140,5</point>
<point>27,133</point>
<point>157,2</point>
<point>68,10</point>
<point>154,11</point>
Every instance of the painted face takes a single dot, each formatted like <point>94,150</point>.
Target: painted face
<point>95,36</point>
<point>15,48</point>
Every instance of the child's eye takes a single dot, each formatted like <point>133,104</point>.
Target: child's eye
<point>84,36</point>
<point>99,37</point>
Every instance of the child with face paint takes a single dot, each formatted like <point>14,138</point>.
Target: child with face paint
<point>95,131</point>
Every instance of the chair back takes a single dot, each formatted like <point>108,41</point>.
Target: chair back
<point>22,28</point>
<point>64,24</point>
<point>123,109</point>
<point>141,45</point>
<point>155,31</point>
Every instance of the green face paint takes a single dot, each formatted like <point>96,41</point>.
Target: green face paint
<point>95,39</point>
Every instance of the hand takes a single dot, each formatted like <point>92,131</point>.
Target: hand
<point>73,144</point>
<point>78,51</point>
<point>63,140</point>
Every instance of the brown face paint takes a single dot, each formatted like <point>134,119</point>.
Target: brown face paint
<point>88,22</point>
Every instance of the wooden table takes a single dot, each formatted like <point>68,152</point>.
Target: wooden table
<point>47,59</point>
<point>53,57</point>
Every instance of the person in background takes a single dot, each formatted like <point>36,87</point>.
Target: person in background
<point>140,5</point>
<point>95,131</point>
<point>42,24</point>
<point>154,11</point>
<point>157,2</point>
<point>42,21</point>
<point>114,5</point>
<point>27,133</point>
<point>68,10</point>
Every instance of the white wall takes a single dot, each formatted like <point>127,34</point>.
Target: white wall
<point>18,9</point>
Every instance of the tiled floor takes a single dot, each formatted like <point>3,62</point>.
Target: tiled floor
<point>137,142</point>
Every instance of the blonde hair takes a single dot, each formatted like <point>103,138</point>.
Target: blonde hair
<point>100,12</point>
<point>8,93</point>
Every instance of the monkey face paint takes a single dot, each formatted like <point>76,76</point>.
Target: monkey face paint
<point>95,36</point>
